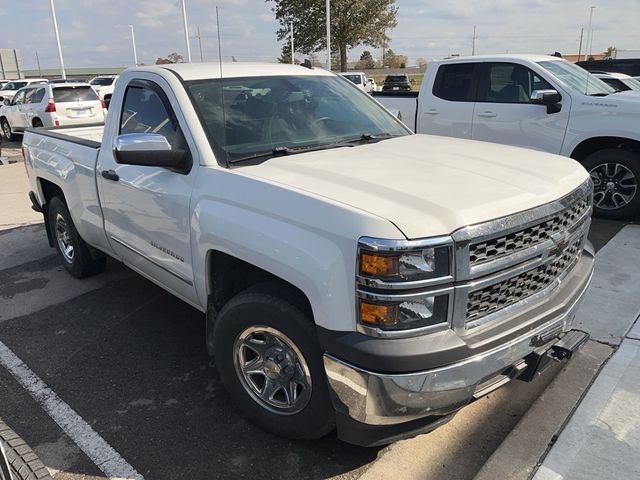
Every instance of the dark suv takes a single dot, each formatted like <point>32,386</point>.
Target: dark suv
<point>397,83</point>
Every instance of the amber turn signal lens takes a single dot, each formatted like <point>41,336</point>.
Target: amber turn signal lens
<point>379,265</point>
<point>378,315</point>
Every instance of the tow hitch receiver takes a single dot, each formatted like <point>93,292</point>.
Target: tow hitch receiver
<point>560,351</point>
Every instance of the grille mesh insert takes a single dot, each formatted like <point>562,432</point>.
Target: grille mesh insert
<point>500,295</point>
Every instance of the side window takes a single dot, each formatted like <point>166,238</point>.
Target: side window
<point>19,98</point>
<point>34,95</point>
<point>453,82</point>
<point>511,83</point>
<point>144,111</point>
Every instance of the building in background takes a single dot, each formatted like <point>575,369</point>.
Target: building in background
<point>10,64</point>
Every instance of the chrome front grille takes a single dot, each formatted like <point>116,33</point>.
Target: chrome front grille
<point>495,248</point>
<point>500,295</point>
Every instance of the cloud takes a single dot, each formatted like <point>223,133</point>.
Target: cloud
<point>154,13</point>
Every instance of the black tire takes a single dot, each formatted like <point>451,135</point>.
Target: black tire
<point>23,463</point>
<point>81,261</point>
<point>107,101</point>
<point>6,130</point>
<point>37,123</point>
<point>263,306</point>
<point>609,190</point>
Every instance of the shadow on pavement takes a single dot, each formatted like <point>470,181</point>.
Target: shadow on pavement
<point>130,359</point>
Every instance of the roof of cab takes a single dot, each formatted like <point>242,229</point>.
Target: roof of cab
<point>201,71</point>
<point>502,57</point>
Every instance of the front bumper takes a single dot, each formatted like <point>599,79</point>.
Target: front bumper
<point>382,399</point>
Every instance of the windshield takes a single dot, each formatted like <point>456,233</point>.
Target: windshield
<point>263,114</point>
<point>357,79</point>
<point>632,83</point>
<point>577,78</point>
<point>396,79</point>
<point>102,81</point>
<point>14,86</point>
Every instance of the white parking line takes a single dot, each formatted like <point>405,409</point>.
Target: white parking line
<point>93,445</point>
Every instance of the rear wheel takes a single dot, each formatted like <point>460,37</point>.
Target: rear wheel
<point>20,459</point>
<point>37,123</point>
<point>616,174</point>
<point>268,357</point>
<point>76,256</point>
<point>6,130</point>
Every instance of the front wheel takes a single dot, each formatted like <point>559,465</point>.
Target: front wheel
<point>615,173</point>
<point>19,462</point>
<point>6,130</point>
<point>268,357</point>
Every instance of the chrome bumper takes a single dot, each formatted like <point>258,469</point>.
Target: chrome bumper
<point>385,399</point>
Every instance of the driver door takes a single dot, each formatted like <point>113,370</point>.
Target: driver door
<point>14,112</point>
<point>147,208</point>
<point>503,112</point>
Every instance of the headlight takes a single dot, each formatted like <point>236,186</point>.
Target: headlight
<point>405,266</point>
<point>404,314</point>
<point>404,286</point>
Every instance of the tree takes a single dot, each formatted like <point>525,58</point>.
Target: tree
<point>366,61</point>
<point>421,63</point>
<point>171,58</point>
<point>285,55</point>
<point>353,23</point>
<point>611,52</point>
<point>392,60</point>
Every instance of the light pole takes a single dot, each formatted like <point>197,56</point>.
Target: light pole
<point>589,34</point>
<point>328,36</point>
<point>293,51</point>
<point>133,44</point>
<point>55,29</point>
<point>186,31</point>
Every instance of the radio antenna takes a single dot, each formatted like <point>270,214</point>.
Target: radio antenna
<point>224,117</point>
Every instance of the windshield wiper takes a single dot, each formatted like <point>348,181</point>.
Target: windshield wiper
<point>369,138</point>
<point>279,151</point>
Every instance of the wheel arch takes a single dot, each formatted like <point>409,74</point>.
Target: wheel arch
<point>594,144</point>
<point>48,190</point>
<point>227,276</point>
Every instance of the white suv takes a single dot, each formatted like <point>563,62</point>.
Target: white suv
<point>51,105</point>
<point>104,85</point>
<point>9,89</point>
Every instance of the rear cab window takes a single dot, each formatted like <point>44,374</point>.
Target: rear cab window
<point>454,82</point>
<point>66,94</point>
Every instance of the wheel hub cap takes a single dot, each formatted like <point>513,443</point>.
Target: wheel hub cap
<point>614,186</point>
<point>63,236</point>
<point>272,370</point>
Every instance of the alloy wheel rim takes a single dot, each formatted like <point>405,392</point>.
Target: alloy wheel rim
<point>272,370</point>
<point>614,185</point>
<point>63,236</point>
<point>6,129</point>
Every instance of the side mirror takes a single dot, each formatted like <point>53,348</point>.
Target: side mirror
<point>550,98</point>
<point>149,150</point>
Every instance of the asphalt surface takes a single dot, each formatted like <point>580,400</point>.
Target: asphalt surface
<point>130,359</point>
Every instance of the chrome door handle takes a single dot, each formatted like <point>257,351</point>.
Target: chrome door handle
<point>487,114</point>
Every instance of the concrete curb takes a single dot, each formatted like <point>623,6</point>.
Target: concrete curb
<point>525,447</point>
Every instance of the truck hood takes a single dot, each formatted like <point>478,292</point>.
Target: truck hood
<point>428,185</point>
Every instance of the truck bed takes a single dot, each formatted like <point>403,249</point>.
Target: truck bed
<point>87,135</point>
<point>405,102</point>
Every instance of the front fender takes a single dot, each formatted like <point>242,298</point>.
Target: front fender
<point>307,241</point>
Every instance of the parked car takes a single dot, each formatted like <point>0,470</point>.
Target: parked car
<point>396,83</point>
<point>50,105</point>
<point>351,273</point>
<point>104,85</point>
<point>539,102</point>
<point>361,80</point>
<point>67,80</point>
<point>17,460</point>
<point>618,81</point>
<point>9,90</point>
<point>3,82</point>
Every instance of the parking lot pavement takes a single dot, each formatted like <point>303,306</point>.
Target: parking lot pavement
<point>129,360</point>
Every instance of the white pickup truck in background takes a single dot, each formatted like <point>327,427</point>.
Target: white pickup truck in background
<point>539,102</point>
<point>352,274</point>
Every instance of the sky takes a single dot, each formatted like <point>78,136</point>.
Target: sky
<point>96,32</point>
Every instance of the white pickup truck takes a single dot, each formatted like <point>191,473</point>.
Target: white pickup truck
<point>539,102</point>
<point>351,273</point>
